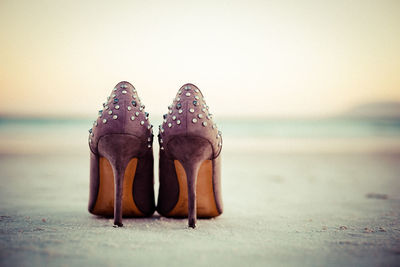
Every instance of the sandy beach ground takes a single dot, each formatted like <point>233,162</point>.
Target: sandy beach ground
<point>288,201</point>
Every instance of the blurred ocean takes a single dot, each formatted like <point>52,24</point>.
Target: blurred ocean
<point>48,135</point>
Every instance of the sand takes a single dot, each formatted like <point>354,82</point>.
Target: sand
<point>296,207</point>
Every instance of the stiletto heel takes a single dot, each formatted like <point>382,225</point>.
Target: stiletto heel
<point>121,172</point>
<point>190,155</point>
<point>191,152</point>
<point>191,173</point>
<point>118,188</point>
<point>119,149</point>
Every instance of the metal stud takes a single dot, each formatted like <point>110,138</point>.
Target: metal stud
<point>124,92</point>
<point>178,99</point>
<point>196,90</point>
<point>134,103</point>
<point>149,126</point>
<point>137,113</point>
<point>197,97</point>
<point>124,86</point>
<point>134,96</point>
<point>132,118</point>
<point>174,117</point>
<point>162,130</point>
<point>106,107</point>
<point>149,146</point>
<point>187,94</point>
<point>195,103</point>
<point>161,141</point>
<point>113,95</point>
<point>110,112</point>
<point>200,116</point>
<point>162,148</point>
<point>115,117</point>
<point>180,92</point>
<point>180,111</point>
<point>129,107</point>
<point>178,122</point>
<point>178,106</point>
<point>169,125</point>
<point>104,121</point>
<point>203,109</point>
<point>116,106</point>
<point>170,111</point>
<point>214,126</point>
<point>219,144</point>
<point>191,110</point>
<point>194,120</point>
<point>142,123</point>
<point>204,123</point>
<point>115,100</point>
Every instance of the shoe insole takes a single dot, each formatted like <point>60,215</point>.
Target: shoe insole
<point>205,200</point>
<point>105,197</point>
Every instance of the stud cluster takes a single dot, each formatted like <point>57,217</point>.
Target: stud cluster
<point>112,111</point>
<point>189,100</point>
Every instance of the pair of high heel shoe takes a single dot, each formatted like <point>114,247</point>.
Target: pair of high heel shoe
<point>122,163</point>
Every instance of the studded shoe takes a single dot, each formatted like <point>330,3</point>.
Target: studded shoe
<point>121,158</point>
<point>190,159</point>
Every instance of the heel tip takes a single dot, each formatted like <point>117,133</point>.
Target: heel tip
<point>118,225</point>
<point>192,225</point>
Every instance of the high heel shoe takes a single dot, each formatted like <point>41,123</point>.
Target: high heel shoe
<point>121,158</point>
<point>190,159</point>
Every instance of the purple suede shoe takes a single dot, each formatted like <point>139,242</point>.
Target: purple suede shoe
<point>121,158</point>
<point>190,159</point>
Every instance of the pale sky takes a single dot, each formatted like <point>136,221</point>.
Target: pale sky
<point>250,58</point>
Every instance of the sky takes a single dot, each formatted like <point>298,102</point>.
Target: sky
<point>249,58</point>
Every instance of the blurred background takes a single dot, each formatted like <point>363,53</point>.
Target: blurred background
<point>279,69</point>
<point>306,94</point>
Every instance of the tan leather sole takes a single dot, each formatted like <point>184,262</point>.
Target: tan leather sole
<point>205,200</point>
<point>105,198</point>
